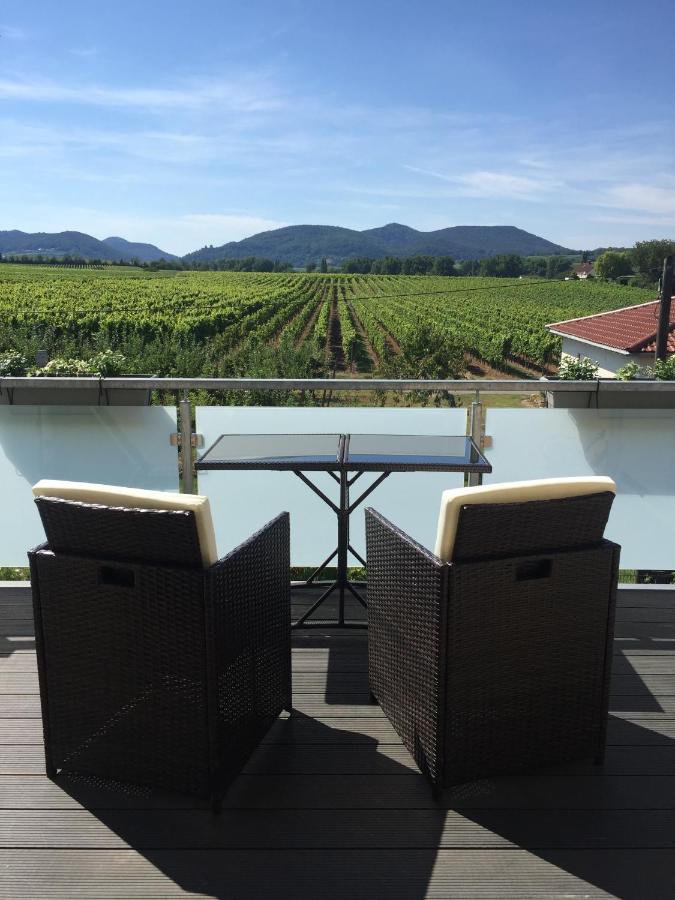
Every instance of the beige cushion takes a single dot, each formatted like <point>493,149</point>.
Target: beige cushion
<point>135,498</point>
<point>509,492</point>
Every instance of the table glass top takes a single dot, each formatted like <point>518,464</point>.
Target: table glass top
<point>414,450</point>
<point>270,449</point>
<point>353,452</point>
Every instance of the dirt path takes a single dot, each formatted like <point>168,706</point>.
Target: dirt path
<point>361,331</point>
<point>336,354</point>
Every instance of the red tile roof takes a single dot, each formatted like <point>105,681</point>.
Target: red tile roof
<point>632,329</point>
<point>583,268</point>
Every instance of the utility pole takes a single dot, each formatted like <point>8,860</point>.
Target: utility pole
<point>664,309</point>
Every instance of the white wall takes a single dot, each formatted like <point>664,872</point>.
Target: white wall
<point>609,361</point>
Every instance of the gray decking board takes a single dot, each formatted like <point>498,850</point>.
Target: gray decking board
<point>332,805</point>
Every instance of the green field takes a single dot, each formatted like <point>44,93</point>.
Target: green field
<point>290,324</point>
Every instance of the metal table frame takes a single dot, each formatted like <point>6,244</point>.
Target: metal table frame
<point>346,473</point>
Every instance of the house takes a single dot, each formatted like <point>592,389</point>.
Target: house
<point>584,270</point>
<point>613,339</point>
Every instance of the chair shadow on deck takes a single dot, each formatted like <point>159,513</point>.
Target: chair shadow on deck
<point>324,810</point>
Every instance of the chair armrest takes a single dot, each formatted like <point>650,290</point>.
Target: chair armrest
<point>249,587</point>
<point>407,605</point>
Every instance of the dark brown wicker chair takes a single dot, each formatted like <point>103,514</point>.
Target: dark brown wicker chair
<point>499,660</point>
<point>153,669</point>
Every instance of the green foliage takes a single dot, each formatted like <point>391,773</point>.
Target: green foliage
<point>191,324</point>
<point>13,363</point>
<point>664,369</point>
<point>63,367</point>
<point>583,369</point>
<point>14,573</point>
<point>611,264</point>
<point>417,265</point>
<point>444,265</point>
<point>506,265</point>
<point>648,257</point>
<point>108,363</point>
<point>628,372</point>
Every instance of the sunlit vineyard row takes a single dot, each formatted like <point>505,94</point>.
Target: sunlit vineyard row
<point>292,324</point>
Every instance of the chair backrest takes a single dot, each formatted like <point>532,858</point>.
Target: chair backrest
<point>518,518</point>
<point>124,523</point>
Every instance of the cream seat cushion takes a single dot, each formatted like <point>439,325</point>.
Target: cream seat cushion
<point>509,492</point>
<point>135,498</point>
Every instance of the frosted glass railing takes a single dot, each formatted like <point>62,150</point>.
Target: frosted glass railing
<point>243,501</point>
<point>634,447</point>
<point>112,445</point>
<point>131,446</point>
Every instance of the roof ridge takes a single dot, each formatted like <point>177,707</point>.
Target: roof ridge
<point>607,312</point>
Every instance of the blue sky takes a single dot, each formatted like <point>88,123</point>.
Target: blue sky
<point>187,125</point>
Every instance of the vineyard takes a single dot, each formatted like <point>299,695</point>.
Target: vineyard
<point>293,325</point>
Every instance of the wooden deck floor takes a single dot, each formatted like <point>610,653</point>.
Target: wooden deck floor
<point>332,806</point>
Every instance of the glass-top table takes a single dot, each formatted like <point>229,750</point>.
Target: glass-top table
<point>345,457</point>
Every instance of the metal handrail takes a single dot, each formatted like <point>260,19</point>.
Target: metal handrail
<point>455,386</point>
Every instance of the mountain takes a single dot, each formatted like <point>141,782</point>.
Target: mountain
<point>299,244</point>
<point>75,243</point>
<point>295,244</point>
<point>132,250</point>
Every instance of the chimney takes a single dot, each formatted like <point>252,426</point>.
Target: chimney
<point>664,309</point>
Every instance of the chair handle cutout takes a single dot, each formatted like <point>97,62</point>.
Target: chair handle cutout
<point>535,568</point>
<point>114,577</point>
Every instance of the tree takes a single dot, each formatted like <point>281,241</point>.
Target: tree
<point>469,267</point>
<point>389,265</point>
<point>443,265</point>
<point>324,264</point>
<point>417,265</point>
<point>361,265</point>
<point>504,265</point>
<point>310,267</point>
<point>611,264</point>
<point>648,257</point>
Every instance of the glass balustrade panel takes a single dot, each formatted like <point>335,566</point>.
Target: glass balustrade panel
<point>632,446</point>
<point>127,446</point>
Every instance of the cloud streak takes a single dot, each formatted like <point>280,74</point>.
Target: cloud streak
<point>12,33</point>
<point>231,94</point>
<point>487,184</point>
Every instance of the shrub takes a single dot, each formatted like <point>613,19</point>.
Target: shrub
<point>107,363</point>
<point>64,367</point>
<point>583,369</point>
<point>13,363</point>
<point>628,372</point>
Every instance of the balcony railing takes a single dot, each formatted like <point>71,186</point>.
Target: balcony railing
<point>137,446</point>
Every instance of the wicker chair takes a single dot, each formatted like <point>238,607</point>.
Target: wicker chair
<point>496,658</point>
<point>158,665</point>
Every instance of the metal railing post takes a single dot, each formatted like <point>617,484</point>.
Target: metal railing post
<point>476,432</point>
<point>185,432</point>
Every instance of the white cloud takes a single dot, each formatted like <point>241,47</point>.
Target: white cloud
<point>488,184</point>
<point>12,33</point>
<point>240,94</point>
<point>635,219</point>
<point>659,200</point>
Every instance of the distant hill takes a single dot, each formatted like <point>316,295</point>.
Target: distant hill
<point>131,250</point>
<point>299,244</point>
<point>75,243</point>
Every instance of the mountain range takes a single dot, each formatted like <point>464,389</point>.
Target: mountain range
<point>299,244</point>
<point>75,243</point>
